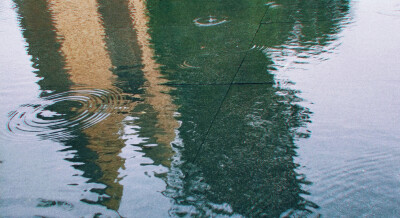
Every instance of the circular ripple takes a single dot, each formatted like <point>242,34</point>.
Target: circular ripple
<point>209,21</point>
<point>56,116</point>
<point>185,65</point>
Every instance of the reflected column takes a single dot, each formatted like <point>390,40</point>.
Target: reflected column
<point>43,46</point>
<point>81,34</point>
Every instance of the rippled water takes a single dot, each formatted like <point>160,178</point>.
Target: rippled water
<point>129,108</point>
<point>57,114</point>
<point>209,21</point>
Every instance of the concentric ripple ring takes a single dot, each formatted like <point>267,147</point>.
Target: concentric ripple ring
<point>209,21</point>
<point>56,116</point>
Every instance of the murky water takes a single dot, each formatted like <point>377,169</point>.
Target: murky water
<point>127,108</point>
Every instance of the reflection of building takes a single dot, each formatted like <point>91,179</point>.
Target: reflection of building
<point>97,45</point>
<point>79,26</point>
<point>238,139</point>
<point>156,95</point>
<point>43,46</point>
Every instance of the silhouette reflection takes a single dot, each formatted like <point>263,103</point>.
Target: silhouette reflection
<point>239,125</point>
<point>40,35</point>
<point>208,89</point>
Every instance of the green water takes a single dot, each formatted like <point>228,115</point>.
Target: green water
<point>199,108</point>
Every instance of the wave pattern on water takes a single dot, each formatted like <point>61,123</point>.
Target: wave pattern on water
<point>368,179</point>
<point>393,12</point>
<point>56,115</point>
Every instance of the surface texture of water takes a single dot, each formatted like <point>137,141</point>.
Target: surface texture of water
<point>130,108</point>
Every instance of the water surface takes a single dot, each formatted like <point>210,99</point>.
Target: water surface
<point>127,108</point>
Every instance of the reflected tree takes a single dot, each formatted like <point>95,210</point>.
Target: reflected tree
<point>239,128</point>
<point>237,140</point>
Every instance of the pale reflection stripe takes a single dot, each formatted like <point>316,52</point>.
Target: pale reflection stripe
<point>157,93</point>
<point>82,42</point>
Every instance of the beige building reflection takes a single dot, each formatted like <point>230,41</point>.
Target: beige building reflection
<point>89,61</point>
<point>157,95</point>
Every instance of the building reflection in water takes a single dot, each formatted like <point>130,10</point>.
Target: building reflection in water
<point>234,152</point>
<point>95,62</point>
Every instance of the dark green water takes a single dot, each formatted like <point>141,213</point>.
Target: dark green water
<point>199,108</point>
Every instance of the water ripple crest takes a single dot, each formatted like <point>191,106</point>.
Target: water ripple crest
<point>57,115</point>
<point>209,21</point>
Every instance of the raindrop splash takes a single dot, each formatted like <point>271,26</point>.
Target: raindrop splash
<point>209,21</point>
<point>272,5</point>
<point>57,115</point>
<point>185,65</point>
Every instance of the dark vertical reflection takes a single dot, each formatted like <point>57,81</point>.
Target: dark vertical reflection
<point>126,53</point>
<point>42,45</point>
<point>236,145</point>
<point>239,140</point>
<point>122,45</point>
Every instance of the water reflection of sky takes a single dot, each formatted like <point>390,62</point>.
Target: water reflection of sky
<point>92,129</point>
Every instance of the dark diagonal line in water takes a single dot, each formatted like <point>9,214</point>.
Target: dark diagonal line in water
<point>226,93</point>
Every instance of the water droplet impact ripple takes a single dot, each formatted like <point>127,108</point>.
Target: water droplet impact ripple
<point>57,115</point>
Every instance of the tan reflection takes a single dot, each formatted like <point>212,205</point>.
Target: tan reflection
<point>81,34</point>
<point>157,93</point>
<point>78,24</point>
